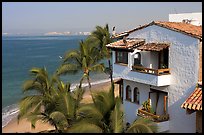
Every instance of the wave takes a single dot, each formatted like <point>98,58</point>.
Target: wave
<point>73,86</point>
<point>8,113</point>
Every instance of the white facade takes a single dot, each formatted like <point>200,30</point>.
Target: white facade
<point>183,64</point>
<point>195,18</point>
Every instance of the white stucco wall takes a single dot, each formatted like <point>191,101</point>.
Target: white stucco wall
<point>183,64</point>
<point>130,108</point>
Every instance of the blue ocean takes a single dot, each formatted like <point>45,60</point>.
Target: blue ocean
<point>21,53</point>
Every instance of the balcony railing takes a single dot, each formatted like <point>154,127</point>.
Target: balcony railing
<point>151,71</point>
<point>153,117</point>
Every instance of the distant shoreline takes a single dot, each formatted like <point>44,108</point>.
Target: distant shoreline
<point>15,35</point>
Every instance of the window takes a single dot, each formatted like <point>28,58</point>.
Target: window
<point>136,95</point>
<point>128,93</point>
<point>137,59</point>
<point>121,57</point>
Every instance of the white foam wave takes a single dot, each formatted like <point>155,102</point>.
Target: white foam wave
<point>8,113</point>
<point>73,86</point>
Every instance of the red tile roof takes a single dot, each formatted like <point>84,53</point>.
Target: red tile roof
<point>188,29</point>
<point>130,44</point>
<point>194,101</point>
<point>153,46</point>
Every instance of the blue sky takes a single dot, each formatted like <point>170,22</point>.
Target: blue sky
<point>42,17</point>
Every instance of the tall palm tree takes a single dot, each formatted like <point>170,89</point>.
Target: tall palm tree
<point>101,37</point>
<point>85,59</point>
<point>106,115</point>
<point>51,100</point>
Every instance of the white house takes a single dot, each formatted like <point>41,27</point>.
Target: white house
<point>192,18</point>
<point>159,63</point>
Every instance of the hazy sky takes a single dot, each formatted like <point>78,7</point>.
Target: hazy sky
<point>42,17</point>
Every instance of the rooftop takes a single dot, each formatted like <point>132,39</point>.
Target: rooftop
<point>194,101</point>
<point>153,46</point>
<point>128,44</point>
<point>188,29</point>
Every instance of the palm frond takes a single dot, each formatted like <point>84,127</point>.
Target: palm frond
<point>71,54</point>
<point>103,101</point>
<point>78,94</point>
<point>66,105</point>
<point>142,125</point>
<point>59,119</point>
<point>35,70</point>
<point>89,112</point>
<point>98,67</point>
<point>27,103</point>
<point>67,68</point>
<point>32,85</point>
<point>116,117</point>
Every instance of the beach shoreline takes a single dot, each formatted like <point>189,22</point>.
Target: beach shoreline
<point>25,126</point>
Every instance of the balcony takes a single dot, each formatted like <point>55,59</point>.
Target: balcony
<point>153,117</point>
<point>156,112</point>
<point>157,72</point>
<point>161,121</point>
<point>149,76</point>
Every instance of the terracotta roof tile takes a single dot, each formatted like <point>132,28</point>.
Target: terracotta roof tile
<point>153,46</point>
<point>188,29</point>
<point>130,44</point>
<point>194,101</point>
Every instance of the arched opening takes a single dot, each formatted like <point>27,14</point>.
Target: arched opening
<point>128,93</point>
<point>137,59</point>
<point>136,95</point>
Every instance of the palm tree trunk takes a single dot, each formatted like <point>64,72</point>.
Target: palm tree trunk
<point>88,79</point>
<point>111,76</point>
<point>80,83</point>
<point>56,128</point>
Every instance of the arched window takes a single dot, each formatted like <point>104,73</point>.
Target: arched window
<point>137,59</point>
<point>136,95</point>
<point>128,93</point>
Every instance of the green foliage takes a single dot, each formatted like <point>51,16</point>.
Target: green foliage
<point>142,125</point>
<point>52,102</point>
<point>106,115</point>
<point>85,59</point>
<point>116,117</point>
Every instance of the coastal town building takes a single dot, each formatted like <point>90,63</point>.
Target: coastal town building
<point>192,18</point>
<point>160,65</point>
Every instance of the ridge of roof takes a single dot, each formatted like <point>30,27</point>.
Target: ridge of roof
<point>188,29</point>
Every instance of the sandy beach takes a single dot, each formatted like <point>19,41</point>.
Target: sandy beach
<point>25,126</point>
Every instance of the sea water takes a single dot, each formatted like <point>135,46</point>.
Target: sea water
<point>21,53</point>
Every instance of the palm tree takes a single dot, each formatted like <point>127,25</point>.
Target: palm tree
<point>52,100</point>
<point>106,115</point>
<point>85,59</point>
<point>101,37</point>
<point>40,99</point>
